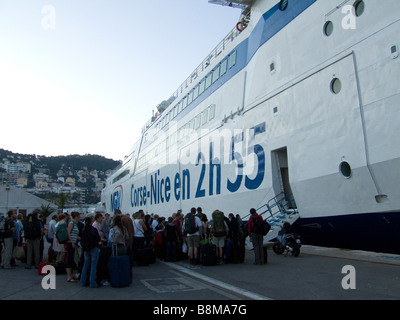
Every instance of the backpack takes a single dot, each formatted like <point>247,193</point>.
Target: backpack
<point>171,233</point>
<point>218,224</point>
<point>90,238</point>
<point>260,226</point>
<point>244,230</point>
<point>62,233</point>
<point>190,224</point>
<point>32,228</point>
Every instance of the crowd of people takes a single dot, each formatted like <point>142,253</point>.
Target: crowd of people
<point>79,247</point>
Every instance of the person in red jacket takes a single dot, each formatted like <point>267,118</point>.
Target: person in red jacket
<point>256,236</point>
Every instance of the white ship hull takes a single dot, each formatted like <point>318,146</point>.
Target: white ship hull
<point>275,125</point>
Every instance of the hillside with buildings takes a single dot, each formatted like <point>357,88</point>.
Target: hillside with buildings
<point>81,177</point>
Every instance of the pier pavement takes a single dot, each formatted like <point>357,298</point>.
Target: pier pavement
<point>317,274</point>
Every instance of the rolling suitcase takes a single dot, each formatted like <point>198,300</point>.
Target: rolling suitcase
<point>208,254</point>
<point>265,255</point>
<point>145,256</point>
<point>242,251</point>
<point>120,270</point>
<point>102,271</point>
<point>203,242</point>
<point>60,268</point>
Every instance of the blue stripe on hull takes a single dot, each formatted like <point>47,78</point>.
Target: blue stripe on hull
<point>379,232</point>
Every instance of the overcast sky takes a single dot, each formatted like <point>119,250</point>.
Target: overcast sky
<point>83,76</point>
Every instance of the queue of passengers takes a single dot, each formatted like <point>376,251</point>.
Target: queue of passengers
<point>175,238</point>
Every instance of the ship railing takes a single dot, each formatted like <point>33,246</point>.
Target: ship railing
<point>276,212</point>
<point>212,56</point>
<point>207,62</point>
<point>203,66</point>
<point>277,209</point>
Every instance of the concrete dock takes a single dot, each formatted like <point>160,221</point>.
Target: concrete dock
<point>317,274</point>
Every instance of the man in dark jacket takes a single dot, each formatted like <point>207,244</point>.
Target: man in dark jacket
<point>7,236</point>
<point>172,238</point>
<point>234,238</point>
<point>90,244</point>
<point>33,231</point>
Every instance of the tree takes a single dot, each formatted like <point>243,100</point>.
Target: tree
<point>62,200</point>
<point>46,210</point>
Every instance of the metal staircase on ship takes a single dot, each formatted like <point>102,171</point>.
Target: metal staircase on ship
<point>277,211</point>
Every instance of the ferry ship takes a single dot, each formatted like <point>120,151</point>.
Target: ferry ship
<point>296,113</point>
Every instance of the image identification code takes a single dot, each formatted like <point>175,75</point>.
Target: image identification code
<point>207,309</point>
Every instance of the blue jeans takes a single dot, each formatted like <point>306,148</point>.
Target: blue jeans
<point>91,258</point>
<point>171,251</point>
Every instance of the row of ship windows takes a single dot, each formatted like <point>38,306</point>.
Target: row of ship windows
<point>195,123</point>
<point>203,85</point>
<point>180,135</point>
<point>120,176</point>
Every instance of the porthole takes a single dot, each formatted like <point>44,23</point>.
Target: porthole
<point>328,28</point>
<point>336,86</point>
<point>394,51</point>
<point>345,169</point>
<point>272,68</point>
<point>359,7</point>
<point>283,5</point>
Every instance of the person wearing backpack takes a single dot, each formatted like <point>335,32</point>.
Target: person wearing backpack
<point>172,238</point>
<point>192,227</point>
<point>33,231</point>
<point>90,245</point>
<point>7,232</point>
<point>234,237</point>
<point>256,236</point>
<point>59,248</point>
<point>219,231</point>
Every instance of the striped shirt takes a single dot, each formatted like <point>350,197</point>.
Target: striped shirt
<point>74,231</point>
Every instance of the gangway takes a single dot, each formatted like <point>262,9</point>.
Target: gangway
<point>276,211</point>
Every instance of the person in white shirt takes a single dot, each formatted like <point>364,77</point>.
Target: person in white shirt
<point>51,230</point>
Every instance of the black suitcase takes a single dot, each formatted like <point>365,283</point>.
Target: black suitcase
<point>241,251</point>
<point>208,254</point>
<point>145,256</point>
<point>102,270</point>
<point>265,255</point>
<point>60,268</point>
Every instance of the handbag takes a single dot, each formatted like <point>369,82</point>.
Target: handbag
<point>184,248</point>
<point>19,253</point>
